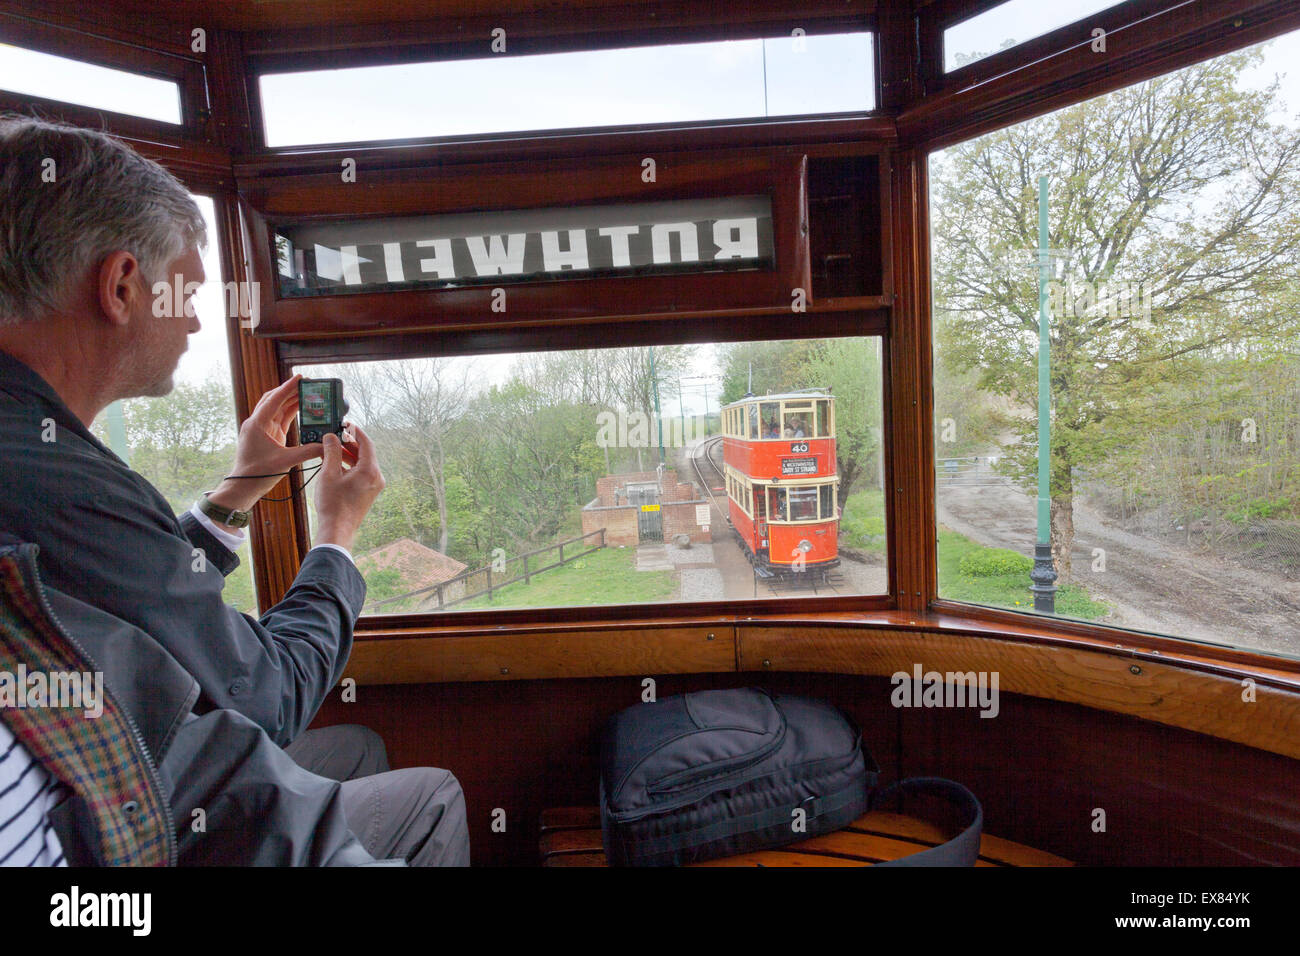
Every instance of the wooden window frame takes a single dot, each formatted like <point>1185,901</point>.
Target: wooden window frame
<point>92,45</point>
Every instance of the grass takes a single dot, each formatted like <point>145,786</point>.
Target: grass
<point>1003,590</point>
<point>607,576</point>
<point>862,526</point>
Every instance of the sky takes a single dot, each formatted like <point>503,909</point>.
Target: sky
<point>683,82</point>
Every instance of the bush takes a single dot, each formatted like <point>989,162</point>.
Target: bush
<point>992,562</point>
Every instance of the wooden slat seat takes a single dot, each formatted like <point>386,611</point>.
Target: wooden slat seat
<point>571,837</point>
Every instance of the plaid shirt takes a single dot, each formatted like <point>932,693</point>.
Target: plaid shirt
<point>102,760</point>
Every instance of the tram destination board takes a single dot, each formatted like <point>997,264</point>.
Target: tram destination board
<point>450,251</point>
<point>799,466</point>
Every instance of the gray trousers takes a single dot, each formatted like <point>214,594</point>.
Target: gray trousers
<point>417,814</point>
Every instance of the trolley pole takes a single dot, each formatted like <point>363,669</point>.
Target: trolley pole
<point>1043,574</point>
<point>117,431</point>
<point>681,409</point>
<point>659,421</point>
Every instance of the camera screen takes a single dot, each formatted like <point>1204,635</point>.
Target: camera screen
<point>317,403</point>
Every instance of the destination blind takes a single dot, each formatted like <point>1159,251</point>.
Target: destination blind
<point>694,235</point>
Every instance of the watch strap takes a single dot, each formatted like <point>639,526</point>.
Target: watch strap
<point>226,516</point>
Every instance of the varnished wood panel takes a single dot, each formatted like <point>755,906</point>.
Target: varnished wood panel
<point>541,655</point>
<point>1167,694</point>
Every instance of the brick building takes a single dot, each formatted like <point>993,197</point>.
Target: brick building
<point>620,500</point>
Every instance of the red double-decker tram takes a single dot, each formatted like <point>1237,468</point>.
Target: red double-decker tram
<point>782,480</point>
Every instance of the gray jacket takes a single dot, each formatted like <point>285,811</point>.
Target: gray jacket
<point>108,538</point>
<point>230,795</point>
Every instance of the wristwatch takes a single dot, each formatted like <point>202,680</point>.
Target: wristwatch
<point>226,516</point>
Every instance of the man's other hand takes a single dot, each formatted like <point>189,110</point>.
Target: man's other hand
<point>344,495</point>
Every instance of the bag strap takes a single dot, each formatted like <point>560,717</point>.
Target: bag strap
<point>961,850</point>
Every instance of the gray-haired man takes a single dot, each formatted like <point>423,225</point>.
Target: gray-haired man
<point>80,251</point>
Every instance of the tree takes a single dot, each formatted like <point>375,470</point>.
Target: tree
<point>1182,185</point>
<point>413,405</point>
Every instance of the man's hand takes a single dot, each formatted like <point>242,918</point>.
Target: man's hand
<point>261,449</point>
<point>344,496</point>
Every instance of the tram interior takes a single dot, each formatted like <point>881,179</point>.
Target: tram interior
<point>573,261</point>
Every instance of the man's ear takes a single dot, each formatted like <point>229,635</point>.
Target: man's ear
<point>119,287</point>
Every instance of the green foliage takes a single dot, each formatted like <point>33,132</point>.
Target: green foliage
<point>991,562</point>
<point>1009,590</point>
<point>862,524</point>
<point>1184,184</point>
<point>382,583</point>
<point>183,442</point>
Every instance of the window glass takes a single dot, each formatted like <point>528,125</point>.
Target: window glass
<point>86,84</point>
<point>823,418</point>
<point>803,504</point>
<point>776,504</point>
<point>501,92</point>
<point>1010,24</point>
<point>753,422</point>
<point>827,493</point>
<point>795,420</point>
<point>770,416</point>
<point>545,468</point>
<point>1164,428</point>
<point>184,442</point>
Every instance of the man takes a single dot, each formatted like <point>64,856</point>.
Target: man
<point>114,770</point>
<point>79,255</point>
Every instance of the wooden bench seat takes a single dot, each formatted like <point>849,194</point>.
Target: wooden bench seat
<point>571,837</point>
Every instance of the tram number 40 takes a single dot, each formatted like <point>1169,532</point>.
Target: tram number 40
<point>799,448</point>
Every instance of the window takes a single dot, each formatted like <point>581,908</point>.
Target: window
<point>85,84</point>
<point>184,442</point>
<point>1171,399</point>
<point>546,479</point>
<point>499,93</point>
<point>1010,24</point>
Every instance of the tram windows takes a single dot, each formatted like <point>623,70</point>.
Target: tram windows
<point>803,504</point>
<point>827,494</point>
<point>497,459</point>
<point>795,420</point>
<point>822,424</point>
<point>776,503</point>
<point>770,414</point>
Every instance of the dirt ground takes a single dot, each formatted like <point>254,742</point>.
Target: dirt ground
<point>1154,585</point>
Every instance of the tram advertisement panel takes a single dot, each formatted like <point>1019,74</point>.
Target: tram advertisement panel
<point>694,235</point>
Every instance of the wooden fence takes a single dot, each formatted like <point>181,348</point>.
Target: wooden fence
<point>476,582</point>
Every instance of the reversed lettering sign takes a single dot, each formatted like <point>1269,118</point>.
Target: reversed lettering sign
<point>798,466</point>
<point>693,235</point>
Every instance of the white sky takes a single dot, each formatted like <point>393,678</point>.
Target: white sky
<point>690,81</point>
<point>502,93</point>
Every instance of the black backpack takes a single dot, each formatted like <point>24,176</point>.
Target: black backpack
<point>716,773</point>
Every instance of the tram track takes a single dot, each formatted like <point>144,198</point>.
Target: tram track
<point>704,452</point>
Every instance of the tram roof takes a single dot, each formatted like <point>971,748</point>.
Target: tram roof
<point>783,396</point>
